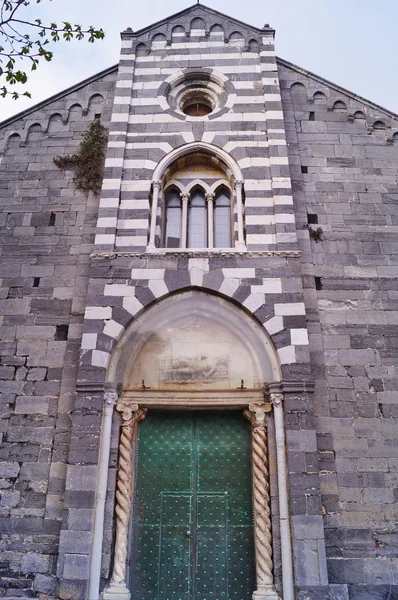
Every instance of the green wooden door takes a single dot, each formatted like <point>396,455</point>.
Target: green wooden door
<point>192,535</point>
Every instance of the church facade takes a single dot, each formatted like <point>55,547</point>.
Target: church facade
<point>199,363</point>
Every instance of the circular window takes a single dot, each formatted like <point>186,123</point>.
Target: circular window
<point>197,101</point>
<point>196,94</point>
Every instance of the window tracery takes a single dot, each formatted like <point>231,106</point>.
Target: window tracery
<point>197,202</point>
<point>197,218</point>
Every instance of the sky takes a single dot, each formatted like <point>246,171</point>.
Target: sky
<point>352,43</point>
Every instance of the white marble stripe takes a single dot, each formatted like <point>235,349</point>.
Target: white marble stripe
<point>250,99</point>
<point>289,308</point>
<point>121,100</point>
<point>114,162</point>
<point>109,203</point>
<point>260,238</point>
<point>281,182</point>
<point>252,69</point>
<point>277,142</point>
<point>161,145</point>
<point>257,184</point>
<point>124,83</point>
<point>274,114</point>
<point>217,56</point>
<point>134,204</point>
<point>142,185</point>
<point>284,218</point>
<point>104,239</point>
<point>105,222</point>
<point>166,118</point>
<point>267,67</point>
<point>131,240</point>
<point>146,85</point>
<point>132,223</point>
<point>260,219</point>
<point>191,45</point>
<point>279,160</point>
<point>259,202</point>
<point>144,101</point>
<point>245,144</point>
<point>139,164</point>
<point>120,118</point>
<point>245,163</point>
<point>248,162</point>
<point>110,184</point>
<point>147,273</point>
<point>212,134</point>
<point>281,200</point>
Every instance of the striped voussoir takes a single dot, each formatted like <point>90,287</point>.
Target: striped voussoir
<point>258,294</point>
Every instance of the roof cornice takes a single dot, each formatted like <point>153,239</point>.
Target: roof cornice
<point>73,88</point>
<point>338,88</point>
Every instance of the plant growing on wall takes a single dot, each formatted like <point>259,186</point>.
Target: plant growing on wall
<point>315,234</point>
<point>88,162</point>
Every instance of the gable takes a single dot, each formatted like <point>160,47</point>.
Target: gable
<point>197,18</point>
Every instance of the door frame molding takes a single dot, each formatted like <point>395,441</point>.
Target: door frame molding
<point>256,405</point>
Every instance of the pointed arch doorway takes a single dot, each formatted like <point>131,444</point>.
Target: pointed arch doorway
<point>190,368</point>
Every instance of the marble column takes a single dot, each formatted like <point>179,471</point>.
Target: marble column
<point>156,186</point>
<point>131,415</point>
<point>257,414</point>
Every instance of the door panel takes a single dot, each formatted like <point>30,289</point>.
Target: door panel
<point>175,546</point>
<point>211,546</point>
<point>192,535</point>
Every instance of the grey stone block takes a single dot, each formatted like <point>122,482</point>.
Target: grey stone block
<point>9,469</point>
<point>76,566</point>
<point>34,563</point>
<point>346,570</point>
<point>45,584</point>
<point>372,592</point>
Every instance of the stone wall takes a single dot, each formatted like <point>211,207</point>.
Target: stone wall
<point>343,154</point>
<point>264,279</point>
<point>340,293</point>
<point>47,230</point>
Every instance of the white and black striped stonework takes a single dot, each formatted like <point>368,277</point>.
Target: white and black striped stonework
<point>248,125</point>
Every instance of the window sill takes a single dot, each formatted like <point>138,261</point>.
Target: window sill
<point>195,250</point>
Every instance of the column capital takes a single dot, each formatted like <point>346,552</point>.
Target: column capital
<point>256,413</point>
<point>130,412</point>
<point>238,183</point>
<point>185,197</point>
<point>276,398</point>
<point>157,184</point>
<point>110,397</point>
<point>210,196</point>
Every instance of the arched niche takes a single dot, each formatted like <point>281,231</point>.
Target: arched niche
<point>194,341</point>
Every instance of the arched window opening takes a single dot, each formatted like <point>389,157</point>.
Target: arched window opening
<point>222,219</point>
<point>198,194</point>
<point>197,220</point>
<point>173,219</point>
